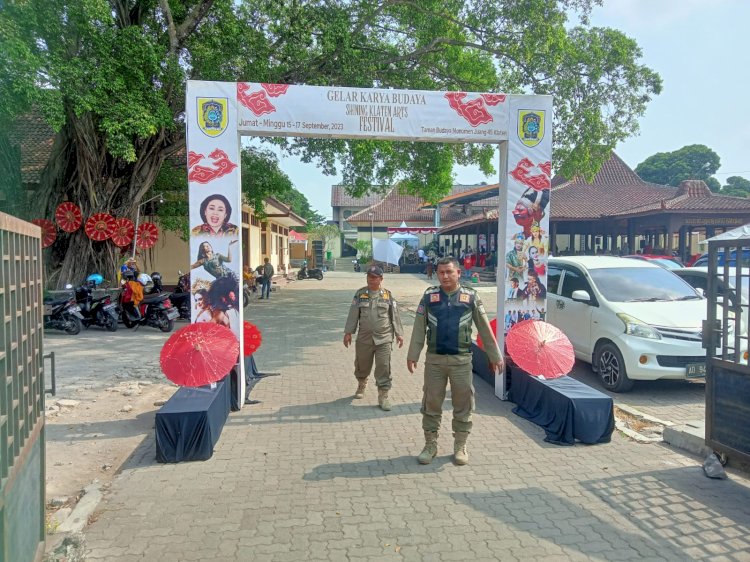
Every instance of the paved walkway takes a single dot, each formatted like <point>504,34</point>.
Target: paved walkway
<point>310,474</point>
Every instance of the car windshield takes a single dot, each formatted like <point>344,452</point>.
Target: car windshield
<point>641,284</point>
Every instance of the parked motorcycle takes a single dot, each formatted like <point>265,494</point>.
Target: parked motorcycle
<point>313,273</point>
<point>180,297</point>
<point>154,310</point>
<point>96,311</point>
<point>63,313</point>
<point>357,267</point>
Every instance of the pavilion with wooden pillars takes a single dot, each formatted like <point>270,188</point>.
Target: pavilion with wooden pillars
<point>619,213</point>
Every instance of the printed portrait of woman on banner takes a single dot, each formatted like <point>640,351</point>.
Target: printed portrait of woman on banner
<point>217,301</point>
<point>216,212</point>
<point>214,263</point>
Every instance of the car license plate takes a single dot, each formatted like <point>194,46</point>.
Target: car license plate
<point>172,314</point>
<point>695,370</point>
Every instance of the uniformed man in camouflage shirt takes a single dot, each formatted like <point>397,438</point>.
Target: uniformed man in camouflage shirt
<point>444,317</point>
<point>375,312</point>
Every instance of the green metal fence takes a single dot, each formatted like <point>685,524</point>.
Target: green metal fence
<point>22,434</point>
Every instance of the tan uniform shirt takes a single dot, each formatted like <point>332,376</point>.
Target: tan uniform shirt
<point>376,314</point>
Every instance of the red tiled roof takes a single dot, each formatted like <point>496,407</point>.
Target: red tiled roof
<point>34,137</point>
<point>395,207</point>
<point>487,216</point>
<point>340,198</point>
<point>615,189</point>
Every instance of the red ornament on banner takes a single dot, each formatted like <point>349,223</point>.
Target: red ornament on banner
<point>68,216</point>
<point>49,232</point>
<point>147,235</point>
<point>251,338</point>
<point>124,232</point>
<point>100,226</point>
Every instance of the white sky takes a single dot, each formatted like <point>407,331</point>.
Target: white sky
<point>701,49</point>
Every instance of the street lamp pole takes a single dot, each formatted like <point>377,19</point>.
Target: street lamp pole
<point>372,236</point>
<point>160,197</point>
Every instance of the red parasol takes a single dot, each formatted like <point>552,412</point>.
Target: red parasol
<point>493,327</point>
<point>100,226</point>
<point>251,337</point>
<point>49,232</point>
<point>68,216</point>
<point>124,231</point>
<point>148,234</point>
<point>199,354</point>
<point>540,349</point>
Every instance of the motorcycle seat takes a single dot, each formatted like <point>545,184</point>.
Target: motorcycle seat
<point>157,297</point>
<point>56,301</point>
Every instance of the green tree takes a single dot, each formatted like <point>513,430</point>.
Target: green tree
<point>736,186</point>
<point>693,162</point>
<point>110,77</point>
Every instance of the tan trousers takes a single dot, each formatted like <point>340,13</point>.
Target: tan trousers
<point>366,352</point>
<point>438,370</point>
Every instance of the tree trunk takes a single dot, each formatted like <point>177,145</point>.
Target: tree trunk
<point>82,171</point>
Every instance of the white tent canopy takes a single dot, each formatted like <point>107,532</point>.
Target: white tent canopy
<point>735,234</point>
<point>404,236</point>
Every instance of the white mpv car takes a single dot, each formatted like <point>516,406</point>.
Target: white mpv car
<point>630,319</point>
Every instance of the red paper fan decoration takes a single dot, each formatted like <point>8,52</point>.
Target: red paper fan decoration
<point>124,232</point>
<point>49,232</point>
<point>148,234</point>
<point>251,338</point>
<point>100,226</point>
<point>68,216</point>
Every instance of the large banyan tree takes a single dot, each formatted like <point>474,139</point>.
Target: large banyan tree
<point>109,77</point>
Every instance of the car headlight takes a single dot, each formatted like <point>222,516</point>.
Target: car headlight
<point>635,327</point>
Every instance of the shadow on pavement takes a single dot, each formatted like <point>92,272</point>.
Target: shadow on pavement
<point>376,468</point>
<point>556,519</point>
<point>344,409</point>
<point>699,517</point>
<point>111,429</point>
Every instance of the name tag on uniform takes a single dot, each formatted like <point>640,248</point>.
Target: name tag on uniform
<point>435,297</point>
<point>463,297</point>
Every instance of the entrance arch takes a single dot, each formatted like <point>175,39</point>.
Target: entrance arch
<point>219,113</point>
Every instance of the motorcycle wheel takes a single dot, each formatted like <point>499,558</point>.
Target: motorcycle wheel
<point>299,276</point>
<point>126,320</point>
<point>73,324</point>
<point>110,323</point>
<point>165,324</point>
<point>319,276</point>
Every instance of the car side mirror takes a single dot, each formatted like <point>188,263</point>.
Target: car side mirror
<point>581,296</point>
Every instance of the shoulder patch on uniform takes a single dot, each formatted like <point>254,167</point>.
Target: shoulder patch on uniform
<point>435,297</point>
<point>364,296</point>
<point>386,294</point>
<point>420,309</point>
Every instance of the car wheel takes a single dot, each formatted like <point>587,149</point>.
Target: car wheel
<point>611,368</point>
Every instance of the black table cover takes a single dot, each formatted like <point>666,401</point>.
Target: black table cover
<point>567,409</point>
<point>190,423</point>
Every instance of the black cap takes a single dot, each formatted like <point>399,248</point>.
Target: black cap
<point>375,270</point>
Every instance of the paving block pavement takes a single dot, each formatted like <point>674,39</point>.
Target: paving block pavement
<point>311,474</point>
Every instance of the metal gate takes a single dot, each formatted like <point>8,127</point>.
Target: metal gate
<point>22,434</point>
<point>727,369</point>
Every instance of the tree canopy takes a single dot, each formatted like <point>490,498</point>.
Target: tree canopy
<point>736,186</point>
<point>110,77</point>
<point>693,162</point>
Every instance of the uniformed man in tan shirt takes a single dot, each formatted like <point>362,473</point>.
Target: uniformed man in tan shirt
<point>375,312</point>
<point>444,318</point>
